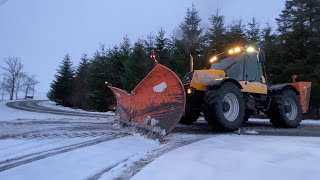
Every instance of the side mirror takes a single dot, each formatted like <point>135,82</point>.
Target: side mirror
<point>262,56</point>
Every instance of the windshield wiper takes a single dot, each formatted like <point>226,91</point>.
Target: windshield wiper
<point>227,68</point>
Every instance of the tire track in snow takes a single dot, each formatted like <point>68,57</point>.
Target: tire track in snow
<point>54,129</point>
<point>106,170</point>
<point>133,167</point>
<point>14,162</point>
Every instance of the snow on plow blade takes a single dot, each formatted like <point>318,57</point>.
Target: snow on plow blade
<point>155,105</point>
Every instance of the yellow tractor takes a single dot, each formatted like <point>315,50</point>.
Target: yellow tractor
<point>232,90</point>
<point>235,88</point>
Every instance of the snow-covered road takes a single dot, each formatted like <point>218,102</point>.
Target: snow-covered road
<point>52,146</point>
<point>229,157</point>
<point>82,163</point>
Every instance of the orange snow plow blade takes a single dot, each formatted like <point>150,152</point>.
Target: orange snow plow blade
<point>155,105</point>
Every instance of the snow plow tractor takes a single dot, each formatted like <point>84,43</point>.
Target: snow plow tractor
<point>232,90</point>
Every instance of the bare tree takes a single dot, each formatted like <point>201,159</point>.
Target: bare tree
<point>29,84</point>
<point>2,88</point>
<point>13,71</point>
<point>20,83</point>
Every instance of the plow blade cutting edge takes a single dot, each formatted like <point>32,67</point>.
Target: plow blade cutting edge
<point>155,105</point>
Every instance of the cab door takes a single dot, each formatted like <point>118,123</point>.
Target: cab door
<point>253,81</point>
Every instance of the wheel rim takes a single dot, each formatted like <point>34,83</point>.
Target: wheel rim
<point>294,109</point>
<point>234,109</point>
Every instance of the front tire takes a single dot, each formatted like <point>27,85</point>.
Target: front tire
<point>224,108</point>
<point>191,115</point>
<point>285,110</point>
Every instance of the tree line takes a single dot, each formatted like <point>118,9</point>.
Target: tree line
<point>291,48</point>
<point>14,80</point>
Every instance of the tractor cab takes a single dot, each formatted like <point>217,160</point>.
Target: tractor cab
<point>244,66</point>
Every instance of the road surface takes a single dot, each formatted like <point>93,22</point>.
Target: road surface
<point>56,137</point>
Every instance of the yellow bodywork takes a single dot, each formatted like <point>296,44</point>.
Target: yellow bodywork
<point>202,77</point>
<point>254,87</point>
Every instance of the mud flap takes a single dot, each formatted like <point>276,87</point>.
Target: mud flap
<point>156,105</point>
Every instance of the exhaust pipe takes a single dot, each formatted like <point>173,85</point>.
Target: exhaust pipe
<point>191,63</point>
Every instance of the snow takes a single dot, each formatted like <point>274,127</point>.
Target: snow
<point>310,122</point>
<point>52,105</point>
<point>44,146</point>
<point>10,149</point>
<point>83,163</point>
<point>304,122</point>
<point>251,132</point>
<point>232,157</point>
<point>160,87</point>
<point>218,157</point>
<point>9,114</point>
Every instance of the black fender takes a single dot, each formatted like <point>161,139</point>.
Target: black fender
<point>279,87</point>
<point>219,82</point>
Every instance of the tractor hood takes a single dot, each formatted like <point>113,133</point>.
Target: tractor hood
<point>202,78</point>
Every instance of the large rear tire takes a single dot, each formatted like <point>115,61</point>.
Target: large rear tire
<point>224,108</point>
<point>191,115</point>
<point>285,110</point>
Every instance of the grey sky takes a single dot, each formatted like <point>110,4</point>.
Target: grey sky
<point>41,32</point>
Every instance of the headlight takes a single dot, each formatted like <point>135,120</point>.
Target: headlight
<point>213,59</point>
<point>250,49</point>
<point>189,91</point>
<point>236,50</point>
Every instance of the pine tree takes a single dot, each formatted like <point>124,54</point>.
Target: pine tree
<point>235,35</point>
<point>78,97</point>
<point>299,28</point>
<point>179,58</point>
<point>124,53</point>
<point>216,35</point>
<point>270,46</point>
<point>298,25</point>
<point>100,71</point>
<point>161,48</point>
<point>137,67</point>
<point>192,38</point>
<point>116,66</point>
<point>253,32</point>
<point>149,44</point>
<point>62,85</point>
<point>125,47</point>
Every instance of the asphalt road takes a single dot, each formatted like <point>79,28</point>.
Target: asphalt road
<point>254,127</point>
<point>33,106</point>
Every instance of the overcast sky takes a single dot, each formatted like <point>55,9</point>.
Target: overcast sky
<point>41,32</point>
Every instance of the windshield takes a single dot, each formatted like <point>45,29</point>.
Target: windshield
<point>233,66</point>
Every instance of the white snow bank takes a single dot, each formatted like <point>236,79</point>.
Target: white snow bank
<point>7,113</point>
<point>85,162</point>
<point>51,104</point>
<point>304,122</point>
<point>239,157</point>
